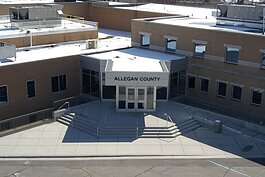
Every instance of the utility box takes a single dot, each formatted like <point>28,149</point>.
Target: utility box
<point>217,126</point>
<point>7,50</point>
<point>38,15</point>
<point>91,44</point>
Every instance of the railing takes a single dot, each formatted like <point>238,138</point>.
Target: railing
<point>25,120</point>
<point>137,126</point>
<point>63,105</point>
<point>168,119</point>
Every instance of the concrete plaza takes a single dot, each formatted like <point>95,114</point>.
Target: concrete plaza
<point>57,140</point>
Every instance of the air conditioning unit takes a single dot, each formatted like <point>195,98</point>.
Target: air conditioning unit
<point>91,44</point>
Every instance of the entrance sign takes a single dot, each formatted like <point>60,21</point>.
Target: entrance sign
<point>137,78</point>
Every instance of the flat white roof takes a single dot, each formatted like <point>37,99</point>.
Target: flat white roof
<point>203,23</point>
<point>25,1</point>
<point>136,59</point>
<point>196,12</point>
<point>115,40</point>
<point>7,31</point>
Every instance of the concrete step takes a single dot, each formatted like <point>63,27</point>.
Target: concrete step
<point>63,122</point>
<point>65,119</point>
<point>188,125</point>
<point>186,122</point>
<point>86,126</point>
<point>187,130</point>
<point>173,129</point>
<point>69,116</point>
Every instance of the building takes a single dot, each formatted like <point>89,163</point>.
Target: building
<point>225,70</point>
<point>189,58</point>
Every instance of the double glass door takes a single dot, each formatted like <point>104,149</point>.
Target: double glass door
<point>132,98</point>
<point>136,99</point>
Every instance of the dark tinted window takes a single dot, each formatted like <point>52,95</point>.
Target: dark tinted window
<point>31,89</point>
<point>256,97</point>
<point>191,83</point>
<point>221,89</point>
<point>237,92</point>
<point>204,85</point>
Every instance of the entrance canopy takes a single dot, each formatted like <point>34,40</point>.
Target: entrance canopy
<point>136,74</point>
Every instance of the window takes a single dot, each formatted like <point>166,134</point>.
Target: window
<point>161,93</point>
<point>221,89</point>
<point>263,59</point>
<point>171,45</point>
<point>58,83</point>
<point>182,82</point>
<point>256,97</point>
<point>109,92</point>
<point>145,40</point>
<point>122,97</point>
<point>173,85</point>
<point>204,85</point>
<point>199,50</point>
<point>31,89</point>
<point>237,91</point>
<point>231,54</point>
<point>90,82</point>
<point>3,95</point>
<point>191,82</point>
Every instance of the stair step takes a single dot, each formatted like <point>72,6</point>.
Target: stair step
<point>190,129</point>
<point>69,116</point>
<point>65,119</point>
<point>188,125</point>
<point>185,122</point>
<point>63,122</point>
<point>139,130</point>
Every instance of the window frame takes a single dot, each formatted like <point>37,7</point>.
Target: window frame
<point>232,96</point>
<point>218,86</point>
<point>203,78</point>
<point>59,86</point>
<point>34,89</point>
<point>7,96</point>
<point>170,39</point>
<point>142,34</point>
<point>252,93</point>
<point>226,47</point>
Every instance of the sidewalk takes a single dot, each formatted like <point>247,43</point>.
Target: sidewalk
<point>57,140</point>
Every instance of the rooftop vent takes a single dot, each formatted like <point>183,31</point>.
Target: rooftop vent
<point>91,44</point>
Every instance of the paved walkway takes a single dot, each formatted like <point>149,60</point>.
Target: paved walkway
<point>55,139</point>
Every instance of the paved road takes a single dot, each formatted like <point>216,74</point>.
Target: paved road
<point>133,168</point>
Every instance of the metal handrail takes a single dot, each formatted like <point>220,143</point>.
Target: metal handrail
<point>66,103</point>
<point>28,114</point>
<point>168,118</point>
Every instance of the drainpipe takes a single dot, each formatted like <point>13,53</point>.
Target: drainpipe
<point>263,23</point>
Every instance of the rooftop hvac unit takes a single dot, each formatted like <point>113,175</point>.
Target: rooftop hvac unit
<point>91,44</point>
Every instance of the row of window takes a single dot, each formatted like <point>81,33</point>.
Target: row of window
<point>58,84</point>
<point>222,89</point>
<point>199,49</point>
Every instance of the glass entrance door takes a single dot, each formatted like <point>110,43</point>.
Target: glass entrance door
<point>135,98</point>
<point>131,98</point>
<point>141,98</point>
